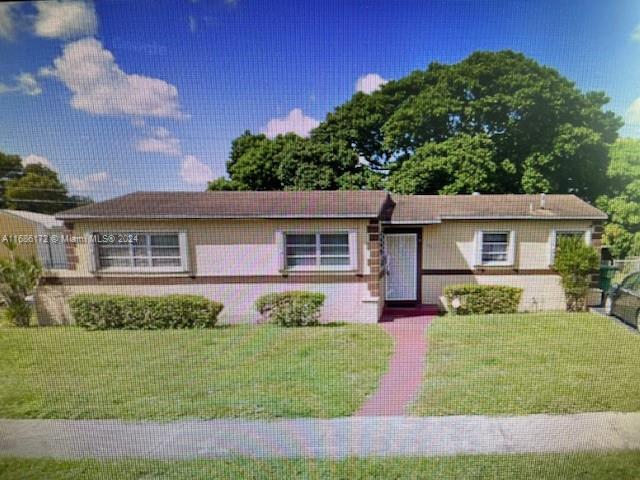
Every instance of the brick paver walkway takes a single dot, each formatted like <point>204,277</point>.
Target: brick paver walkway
<point>400,385</point>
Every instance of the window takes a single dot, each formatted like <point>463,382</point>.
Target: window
<point>141,251</point>
<point>495,247</point>
<point>322,251</point>
<point>557,234</point>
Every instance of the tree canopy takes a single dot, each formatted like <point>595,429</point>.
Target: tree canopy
<point>622,233</point>
<point>495,122</point>
<point>34,187</point>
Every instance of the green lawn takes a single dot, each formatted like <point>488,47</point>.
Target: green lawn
<point>236,371</point>
<point>617,466</point>
<point>530,363</point>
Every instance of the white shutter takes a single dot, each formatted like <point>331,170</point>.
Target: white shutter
<point>477,248</point>
<point>281,250</point>
<point>353,249</point>
<point>511,252</point>
<point>184,251</point>
<point>93,252</point>
<point>587,236</point>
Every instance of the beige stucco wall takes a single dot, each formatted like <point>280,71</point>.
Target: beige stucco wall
<point>13,225</point>
<point>224,247</point>
<point>344,302</point>
<point>450,246</point>
<point>229,248</point>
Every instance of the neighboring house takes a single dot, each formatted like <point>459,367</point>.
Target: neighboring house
<point>363,249</point>
<point>36,235</point>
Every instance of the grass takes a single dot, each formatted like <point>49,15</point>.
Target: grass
<point>530,363</point>
<point>618,466</point>
<point>236,371</point>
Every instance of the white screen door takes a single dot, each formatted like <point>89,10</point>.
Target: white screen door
<point>401,281</point>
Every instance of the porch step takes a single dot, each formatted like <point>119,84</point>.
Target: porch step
<point>389,313</point>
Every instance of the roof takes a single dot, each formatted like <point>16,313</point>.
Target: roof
<point>47,221</point>
<point>408,209</point>
<point>309,204</point>
<point>435,208</point>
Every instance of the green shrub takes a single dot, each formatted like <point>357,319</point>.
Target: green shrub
<point>575,261</point>
<point>483,299</point>
<point>18,280</point>
<point>103,312</point>
<point>291,309</point>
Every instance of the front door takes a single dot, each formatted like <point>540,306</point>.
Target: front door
<point>401,258</point>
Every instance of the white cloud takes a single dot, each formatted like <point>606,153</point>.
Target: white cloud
<point>369,83</point>
<point>25,84</point>
<point>85,183</point>
<point>100,87</point>
<point>295,121</point>
<point>160,141</point>
<point>28,84</point>
<point>635,35</point>
<point>34,159</point>
<point>195,172</point>
<point>7,23</point>
<point>65,19</point>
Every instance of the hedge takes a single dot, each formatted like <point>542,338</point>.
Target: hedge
<point>483,299</point>
<point>291,309</point>
<point>103,312</point>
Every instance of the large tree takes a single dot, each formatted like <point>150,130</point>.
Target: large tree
<point>495,122</point>
<point>622,232</point>
<point>10,168</point>
<point>34,187</point>
<point>290,162</point>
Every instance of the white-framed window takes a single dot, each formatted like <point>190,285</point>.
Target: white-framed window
<point>140,251</point>
<point>319,250</point>
<point>555,235</point>
<point>495,247</point>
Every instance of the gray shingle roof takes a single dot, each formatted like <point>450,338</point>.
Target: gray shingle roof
<point>310,204</point>
<point>335,204</point>
<point>434,208</point>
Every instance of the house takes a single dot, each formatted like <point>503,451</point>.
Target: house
<point>36,235</point>
<point>364,249</point>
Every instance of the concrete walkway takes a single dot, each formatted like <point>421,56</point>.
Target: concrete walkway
<point>399,386</point>
<point>313,438</point>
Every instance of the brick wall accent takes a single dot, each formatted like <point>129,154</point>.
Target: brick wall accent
<point>375,257</point>
<point>70,247</point>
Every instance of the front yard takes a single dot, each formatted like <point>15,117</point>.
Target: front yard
<point>595,466</point>
<point>530,363</point>
<point>235,371</point>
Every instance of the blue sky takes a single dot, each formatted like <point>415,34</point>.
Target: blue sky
<point>124,95</point>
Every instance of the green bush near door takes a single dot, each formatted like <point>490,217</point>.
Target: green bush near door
<point>482,299</point>
<point>291,309</point>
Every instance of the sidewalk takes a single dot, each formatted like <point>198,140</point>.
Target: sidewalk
<point>315,438</point>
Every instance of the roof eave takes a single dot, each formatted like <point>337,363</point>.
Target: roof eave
<point>495,217</point>
<point>211,217</point>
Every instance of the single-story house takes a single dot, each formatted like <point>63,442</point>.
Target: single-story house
<point>364,249</point>
<point>36,235</point>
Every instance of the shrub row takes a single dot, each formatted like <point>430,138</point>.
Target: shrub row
<point>291,309</point>
<point>483,299</point>
<point>102,312</point>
